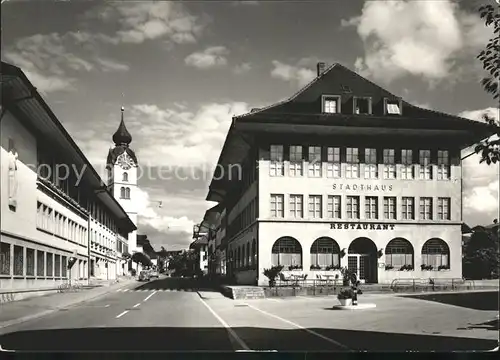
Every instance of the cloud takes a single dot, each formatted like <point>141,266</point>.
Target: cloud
<point>437,33</point>
<point>164,226</point>
<point>211,57</point>
<point>297,75</point>
<point>51,62</point>
<point>139,22</point>
<point>481,181</point>
<point>242,68</point>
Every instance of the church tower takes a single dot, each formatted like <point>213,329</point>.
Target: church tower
<point>122,171</point>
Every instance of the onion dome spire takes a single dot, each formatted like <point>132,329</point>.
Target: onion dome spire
<point>122,136</point>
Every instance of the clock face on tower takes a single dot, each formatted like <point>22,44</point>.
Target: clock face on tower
<point>125,161</point>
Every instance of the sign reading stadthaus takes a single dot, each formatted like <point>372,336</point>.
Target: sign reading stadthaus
<point>362,187</point>
<point>361,226</point>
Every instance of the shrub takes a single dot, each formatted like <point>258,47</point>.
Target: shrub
<point>272,274</point>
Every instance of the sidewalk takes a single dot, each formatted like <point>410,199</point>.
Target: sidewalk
<point>16,312</point>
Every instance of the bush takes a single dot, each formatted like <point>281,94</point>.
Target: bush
<point>272,274</point>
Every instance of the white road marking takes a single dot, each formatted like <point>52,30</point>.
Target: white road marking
<point>149,296</point>
<point>136,305</point>
<point>125,290</point>
<point>107,305</point>
<point>123,313</point>
<point>312,332</point>
<point>276,300</point>
<point>228,328</point>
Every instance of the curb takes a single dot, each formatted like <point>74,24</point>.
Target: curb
<point>50,311</point>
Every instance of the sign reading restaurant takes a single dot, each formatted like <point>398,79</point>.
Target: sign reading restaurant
<point>361,226</point>
<point>362,187</point>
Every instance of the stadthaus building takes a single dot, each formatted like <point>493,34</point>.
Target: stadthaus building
<point>342,174</point>
<point>54,205</point>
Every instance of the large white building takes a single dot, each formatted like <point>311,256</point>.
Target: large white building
<point>53,202</point>
<point>342,174</point>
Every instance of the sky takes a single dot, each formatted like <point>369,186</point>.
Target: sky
<point>183,69</point>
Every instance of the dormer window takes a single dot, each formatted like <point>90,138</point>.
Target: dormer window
<point>392,107</point>
<point>331,104</point>
<point>362,105</point>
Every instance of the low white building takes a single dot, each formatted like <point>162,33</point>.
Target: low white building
<point>54,205</point>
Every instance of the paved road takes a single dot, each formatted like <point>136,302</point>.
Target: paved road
<point>169,314</point>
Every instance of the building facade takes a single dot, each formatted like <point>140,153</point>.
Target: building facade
<point>343,174</point>
<point>53,203</point>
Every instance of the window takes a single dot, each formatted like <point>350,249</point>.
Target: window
<point>57,265</point>
<point>435,253</point>
<point>325,252</point>
<point>276,163</point>
<point>371,168</point>
<point>276,206</point>
<point>125,177</point>
<point>30,262</point>
<point>296,206</point>
<point>398,253</point>
<point>353,207</point>
<point>408,208</point>
<point>362,106</point>
<point>315,206</point>
<point>40,263</point>
<point>4,258</point>
<point>122,192</point>
<point>352,160</point>
<point>286,251</point>
<point>392,107</point>
<point>331,104</point>
<point>333,207</point>
<point>443,208</point>
<point>426,208</point>
<point>18,260</point>
<point>443,168</point>
<point>389,164</point>
<point>371,207</point>
<point>64,268</point>
<point>127,193</point>
<point>296,158</point>
<point>314,161</point>
<point>424,157</point>
<point>407,168</point>
<point>333,162</point>
<point>390,208</point>
<point>50,264</point>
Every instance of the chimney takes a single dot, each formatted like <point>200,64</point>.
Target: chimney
<point>321,68</point>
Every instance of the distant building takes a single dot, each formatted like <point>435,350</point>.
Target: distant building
<point>52,199</point>
<point>342,174</point>
<point>199,246</point>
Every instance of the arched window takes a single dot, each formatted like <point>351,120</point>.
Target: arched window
<point>286,251</point>
<point>127,193</point>
<point>249,255</point>
<point>325,252</point>
<point>243,256</point>
<point>435,253</point>
<point>399,252</point>
<point>254,252</point>
<point>125,176</point>
<point>122,192</point>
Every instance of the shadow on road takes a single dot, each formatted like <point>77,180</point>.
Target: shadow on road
<point>217,339</point>
<point>175,283</point>
<point>488,325</point>
<point>484,300</point>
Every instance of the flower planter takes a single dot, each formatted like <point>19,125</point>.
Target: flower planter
<point>345,302</point>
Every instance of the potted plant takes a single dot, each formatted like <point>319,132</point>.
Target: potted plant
<point>272,274</point>
<point>389,267</point>
<point>426,267</point>
<point>443,267</point>
<point>345,297</point>
<point>406,268</point>
<point>315,267</point>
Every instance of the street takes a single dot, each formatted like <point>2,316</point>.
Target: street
<point>170,314</point>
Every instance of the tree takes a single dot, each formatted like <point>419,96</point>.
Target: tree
<point>490,57</point>
<point>481,257</point>
<point>185,263</point>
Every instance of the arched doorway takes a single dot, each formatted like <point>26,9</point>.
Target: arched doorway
<point>362,259</point>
